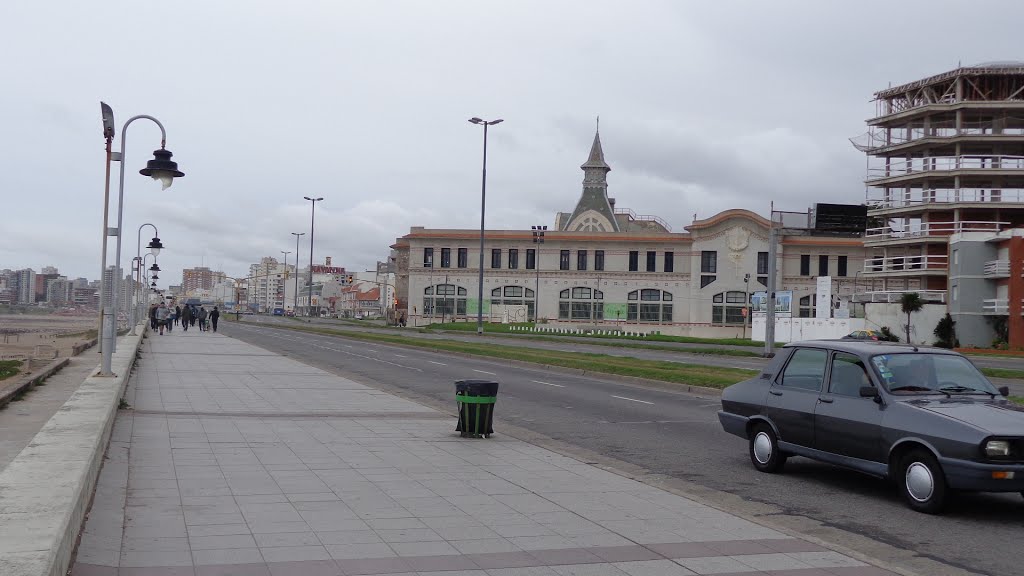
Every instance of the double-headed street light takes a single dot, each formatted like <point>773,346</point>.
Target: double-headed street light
<point>312,215</point>
<point>161,168</point>
<point>483,205</point>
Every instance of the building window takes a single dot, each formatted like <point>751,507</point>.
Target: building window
<point>580,303</point>
<point>652,261</point>
<point>956,292</point>
<point>709,262</point>
<point>446,257</point>
<point>805,264</point>
<point>841,266</point>
<point>563,260</point>
<point>956,257</point>
<point>513,258</point>
<point>634,261</point>
<point>727,308</point>
<point>463,257</point>
<point>581,259</point>
<point>653,306</point>
<point>762,268</point>
<point>706,280</point>
<point>444,300</point>
<point>495,257</point>
<point>428,257</point>
<point>531,259</point>
<point>598,259</point>
<point>823,265</point>
<point>515,296</point>
<point>670,265</point>
<point>808,305</point>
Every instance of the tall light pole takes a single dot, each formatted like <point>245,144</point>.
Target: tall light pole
<point>295,297</point>
<point>161,168</point>
<point>483,205</point>
<point>538,239</point>
<point>154,248</point>
<point>312,216</point>
<point>284,303</point>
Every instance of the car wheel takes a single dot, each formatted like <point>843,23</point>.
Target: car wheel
<point>922,482</point>
<point>764,450</point>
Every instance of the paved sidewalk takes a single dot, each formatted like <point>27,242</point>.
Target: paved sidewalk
<point>237,461</point>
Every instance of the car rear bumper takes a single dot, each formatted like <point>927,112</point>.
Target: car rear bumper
<point>733,423</point>
<point>978,477</point>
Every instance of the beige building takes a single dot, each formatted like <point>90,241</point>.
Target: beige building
<point>606,267</point>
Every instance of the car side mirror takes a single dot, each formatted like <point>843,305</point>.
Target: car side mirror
<point>1004,391</point>
<point>868,392</point>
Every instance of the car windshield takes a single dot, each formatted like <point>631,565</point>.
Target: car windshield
<point>910,373</point>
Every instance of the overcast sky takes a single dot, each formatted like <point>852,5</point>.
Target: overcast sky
<point>704,106</point>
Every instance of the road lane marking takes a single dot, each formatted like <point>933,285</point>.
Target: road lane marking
<point>400,356</point>
<point>632,399</point>
<point>484,372</point>
<point>438,363</point>
<point>547,383</point>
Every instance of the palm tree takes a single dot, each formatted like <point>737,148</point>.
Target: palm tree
<point>910,302</point>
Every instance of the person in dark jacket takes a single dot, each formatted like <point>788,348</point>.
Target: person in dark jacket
<point>186,317</point>
<point>202,319</point>
<point>152,316</point>
<point>177,315</point>
<point>214,315</point>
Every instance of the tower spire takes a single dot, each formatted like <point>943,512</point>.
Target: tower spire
<point>596,158</point>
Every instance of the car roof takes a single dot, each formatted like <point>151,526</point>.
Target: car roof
<point>869,347</point>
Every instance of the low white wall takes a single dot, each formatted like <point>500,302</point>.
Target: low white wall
<point>797,329</point>
<point>45,490</point>
<point>922,323</point>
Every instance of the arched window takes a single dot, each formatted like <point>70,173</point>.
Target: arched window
<point>727,308</point>
<point>580,303</point>
<point>653,306</point>
<point>444,300</point>
<point>514,296</point>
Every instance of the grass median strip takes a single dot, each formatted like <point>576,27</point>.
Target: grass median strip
<point>1003,373</point>
<point>680,373</point>
<point>9,368</point>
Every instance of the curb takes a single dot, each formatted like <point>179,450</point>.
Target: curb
<point>8,394</point>
<point>46,490</point>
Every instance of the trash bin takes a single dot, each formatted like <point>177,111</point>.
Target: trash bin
<point>476,407</point>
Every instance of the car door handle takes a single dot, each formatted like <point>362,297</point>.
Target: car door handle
<point>825,400</point>
<point>775,393</point>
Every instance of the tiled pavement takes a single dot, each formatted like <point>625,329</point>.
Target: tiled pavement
<point>236,461</point>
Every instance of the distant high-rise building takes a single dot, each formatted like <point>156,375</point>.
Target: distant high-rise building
<point>26,285</point>
<point>200,278</point>
<point>50,270</point>
<point>58,291</point>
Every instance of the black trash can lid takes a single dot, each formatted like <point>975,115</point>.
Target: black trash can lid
<point>476,387</point>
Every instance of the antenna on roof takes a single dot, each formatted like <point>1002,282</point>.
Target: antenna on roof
<point>598,122</point>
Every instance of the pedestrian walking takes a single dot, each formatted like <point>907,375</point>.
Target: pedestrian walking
<point>202,319</point>
<point>170,318</point>
<point>152,316</point>
<point>162,314</point>
<point>214,316</point>
<point>186,317</point>
<point>177,315</point>
<point>192,318</point>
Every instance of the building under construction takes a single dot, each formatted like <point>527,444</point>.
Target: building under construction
<point>946,169</point>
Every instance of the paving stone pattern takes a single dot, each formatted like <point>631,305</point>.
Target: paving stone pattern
<point>239,462</point>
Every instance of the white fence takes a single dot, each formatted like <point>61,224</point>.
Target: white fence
<point>797,329</point>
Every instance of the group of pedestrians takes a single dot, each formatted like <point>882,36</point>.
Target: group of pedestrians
<point>162,316</point>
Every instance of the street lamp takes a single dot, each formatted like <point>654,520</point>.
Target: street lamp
<point>154,248</point>
<point>312,215</point>
<point>295,296</point>
<point>161,168</point>
<point>483,204</point>
<point>538,239</point>
<point>284,303</point>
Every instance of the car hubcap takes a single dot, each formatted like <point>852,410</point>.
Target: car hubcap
<point>920,483</point>
<point>762,447</point>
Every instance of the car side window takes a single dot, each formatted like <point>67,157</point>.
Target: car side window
<point>806,369</point>
<point>847,376</point>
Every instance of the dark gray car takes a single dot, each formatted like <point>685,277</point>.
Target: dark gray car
<point>924,417</point>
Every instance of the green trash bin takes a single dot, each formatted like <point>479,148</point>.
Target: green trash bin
<point>476,400</point>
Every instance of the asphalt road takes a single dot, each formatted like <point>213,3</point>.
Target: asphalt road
<point>678,435</point>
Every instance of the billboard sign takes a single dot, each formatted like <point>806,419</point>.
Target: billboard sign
<point>783,303</point>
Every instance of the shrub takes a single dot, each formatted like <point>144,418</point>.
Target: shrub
<point>888,336</point>
<point>945,331</point>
